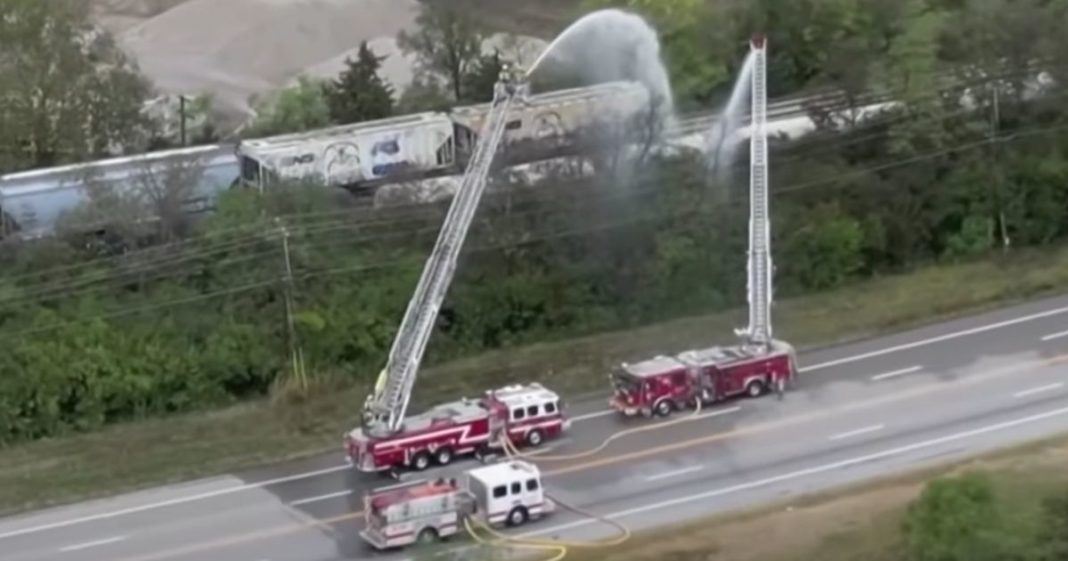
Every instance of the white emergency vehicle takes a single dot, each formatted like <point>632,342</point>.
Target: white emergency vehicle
<point>508,493</point>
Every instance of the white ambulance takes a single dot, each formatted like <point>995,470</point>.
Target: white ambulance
<point>509,493</point>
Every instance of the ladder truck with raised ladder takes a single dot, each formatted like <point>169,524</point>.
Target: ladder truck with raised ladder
<point>760,363</point>
<point>527,414</point>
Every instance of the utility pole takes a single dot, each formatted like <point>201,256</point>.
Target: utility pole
<point>996,172</point>
<point>181,117</point>
<point>295,351</point>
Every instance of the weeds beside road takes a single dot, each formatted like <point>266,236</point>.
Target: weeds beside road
<point>159,451</point>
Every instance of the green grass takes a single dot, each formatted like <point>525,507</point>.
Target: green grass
<point>860,522</point>
<point>159,451</point>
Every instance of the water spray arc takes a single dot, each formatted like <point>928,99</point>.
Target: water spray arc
<point>758,332</point>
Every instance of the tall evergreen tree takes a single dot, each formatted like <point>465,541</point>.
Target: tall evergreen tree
<point>359,93</point>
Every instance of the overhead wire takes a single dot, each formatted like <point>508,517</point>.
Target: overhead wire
<point>1006,137</point>
<point>258,230</point>
<point>417,212</point>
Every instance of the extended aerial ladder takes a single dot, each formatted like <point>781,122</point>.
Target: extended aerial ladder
<point>384,410</point>
<point>758,332</point>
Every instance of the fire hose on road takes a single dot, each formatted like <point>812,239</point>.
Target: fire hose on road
<point>561,547</point>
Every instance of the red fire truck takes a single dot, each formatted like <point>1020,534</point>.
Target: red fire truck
<point>506,494</point>
<point>528,414</point>
<point>663,384</point>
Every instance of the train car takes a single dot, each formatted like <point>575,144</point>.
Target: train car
<point>356,156</point>
<point>553,124</point>
<point>32,202</point>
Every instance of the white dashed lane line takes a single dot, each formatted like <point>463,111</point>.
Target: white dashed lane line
<point>896,373</point>
<point>87,545</point>
<point>1040,389</point>
<point>858,432</point>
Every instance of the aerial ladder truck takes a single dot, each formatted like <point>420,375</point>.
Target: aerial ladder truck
<point>527,414</point>
<point>760,363</point>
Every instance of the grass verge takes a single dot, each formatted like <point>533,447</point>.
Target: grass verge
<point>159,451</point>
<point>857,522</point>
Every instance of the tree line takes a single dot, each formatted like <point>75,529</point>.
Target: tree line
<point>157,319</point>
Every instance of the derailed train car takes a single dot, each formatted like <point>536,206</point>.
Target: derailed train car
<point>359,156</point>
<point>33,202</point>
<point>365,155</point>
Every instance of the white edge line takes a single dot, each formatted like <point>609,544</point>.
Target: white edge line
<point>813,470</point>
<point>791,475</point>
<point>936,339</point>
<point>857,432</point>
<point>896,373</point>
<point>171,502</point>
<point>1053,336</point>
<point>1039,389</point>
<point>828,364</point>
<point>674,473</point>
<point>87,545</point>
<point>320,498</point>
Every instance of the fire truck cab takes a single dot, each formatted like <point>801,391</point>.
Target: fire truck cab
<point>526,414</point>
<point>665,384</point>
<point>508,493</point>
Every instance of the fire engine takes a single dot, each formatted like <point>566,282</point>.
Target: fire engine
<point>521,414</point>
<point>665,384</point>
<point>508,493</point>
<point>525,414</point>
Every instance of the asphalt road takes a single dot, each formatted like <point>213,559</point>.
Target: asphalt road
<point>860,410</point>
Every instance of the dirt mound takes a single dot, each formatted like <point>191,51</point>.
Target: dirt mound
<point>237,48</point>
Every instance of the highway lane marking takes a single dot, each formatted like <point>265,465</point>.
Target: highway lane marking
<point>674,473</point>
<point>938,339</point>
<point>87,545</point>
<point>811,471</point>
<point>321,498</point>
<point>650,452</point>
<point>858,432</point>
<point>1040,389</point>
<point>316,473</point>
<point>171,502</point>
<point>896,373</point>
<point>824,413</point>
<point>1053,336</point>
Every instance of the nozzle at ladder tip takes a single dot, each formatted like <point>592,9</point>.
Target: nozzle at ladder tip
<point>758,40</point>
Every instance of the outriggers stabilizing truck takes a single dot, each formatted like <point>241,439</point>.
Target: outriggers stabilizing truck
<point>663,384</point>
<point>523,414</point>
<point>508,493</point>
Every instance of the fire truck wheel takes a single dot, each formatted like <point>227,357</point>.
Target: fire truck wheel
<point>421,461</point>
<point>663,408</point>
<point>517,517</point>
<point>427,536</point>
<point>443,456</point>
<point>755,388</point>
<point>535,438</point>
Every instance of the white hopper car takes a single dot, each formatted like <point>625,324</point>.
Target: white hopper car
<point>357,156</point>
<point>31,202</point>
<point>397,149</point>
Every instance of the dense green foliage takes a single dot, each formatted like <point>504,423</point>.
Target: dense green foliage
<point>963,518</point>
<point>66,93</point>
<point>359,93</point>
<point>160,317</point>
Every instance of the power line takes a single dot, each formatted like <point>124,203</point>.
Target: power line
<point>420,211</point>
<point>1019,134</point>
